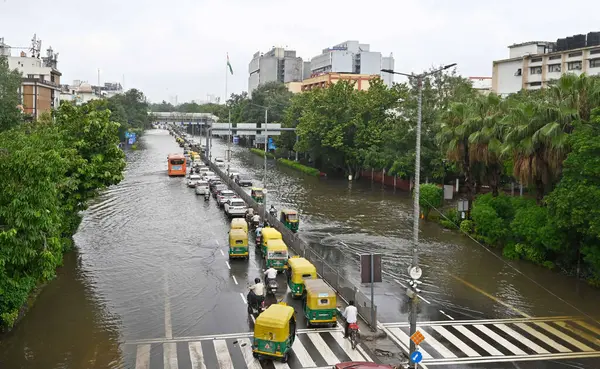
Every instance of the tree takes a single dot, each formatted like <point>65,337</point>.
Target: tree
<point>431,196</point>
<point>10,82</point>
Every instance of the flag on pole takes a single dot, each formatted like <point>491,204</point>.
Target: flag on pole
<point>229,65</point>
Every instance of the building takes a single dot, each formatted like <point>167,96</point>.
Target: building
<point>354,58</point>
<point>361,81</point>
<point>294,87</point>
<point>276,65</point>
<point>483,85</point>
<point>40,84</point>
<point>532,65</point>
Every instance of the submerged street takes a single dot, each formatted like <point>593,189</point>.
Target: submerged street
<point>150,284</point>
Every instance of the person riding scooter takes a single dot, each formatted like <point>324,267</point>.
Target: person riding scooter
<point>272,211</point>
<point>256,295</point>
<point>206,196</point>
<point>255,220</point>
<point>270,274</point>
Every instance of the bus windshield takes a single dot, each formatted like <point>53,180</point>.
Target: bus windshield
<point>177,161</point>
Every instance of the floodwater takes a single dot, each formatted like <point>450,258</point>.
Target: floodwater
<point>149,263</point>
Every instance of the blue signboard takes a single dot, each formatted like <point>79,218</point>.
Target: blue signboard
<point>127,134</point>
<point>416,357</point>
<point>236,140</point>
<point>271,144</point>
<point>131,140</point>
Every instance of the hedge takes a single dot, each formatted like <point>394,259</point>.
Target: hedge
<point>303,168</point>
<point>262,153</point>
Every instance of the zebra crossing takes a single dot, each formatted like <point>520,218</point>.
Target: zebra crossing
<point>500,340</point>
<point>313,348</point>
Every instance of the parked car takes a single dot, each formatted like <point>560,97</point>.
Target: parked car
<point>217,189</point>
<point>207,174</point>
<point>235,207</point>
<point>243,182</point>
<point>214,183</point>
<point>194,178</point>
<point>223,196</point>
<point>202,188</point>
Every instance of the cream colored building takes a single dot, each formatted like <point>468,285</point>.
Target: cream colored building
<point>361,81</point>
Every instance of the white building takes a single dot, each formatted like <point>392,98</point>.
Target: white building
<point>353,57</point>
<point>276,65</point>
<point>483,85</point>
<point>532,65</point>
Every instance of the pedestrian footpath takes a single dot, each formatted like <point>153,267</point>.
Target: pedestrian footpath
<point>312,349</point>
<point>500,340</point>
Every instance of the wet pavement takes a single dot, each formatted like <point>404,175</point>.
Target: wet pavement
<point>151,263</point>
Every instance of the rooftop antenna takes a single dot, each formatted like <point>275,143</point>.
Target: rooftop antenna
<point>36,46</point>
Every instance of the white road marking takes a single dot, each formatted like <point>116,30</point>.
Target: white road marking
<point>222,352</point>
<point>524,340</point>
<point>542,337</point>
<point>253,318</point>
<point>496,337</point>
<point>455,341</point>
<point>347,347</point>
<point>228,266</point>
<point>437,345</point>
<point>478,341</point>
<point>196,355</point>
<point>447,315</point>
<point>168,325</point>
<point>566,338</point>
<point>402,339</point>
<point>246,347</point>
<point>280,365</point>
<point>170,355</point>
<point>243,298</point>
<point>323,349</point>
<point>303,356</point>
<point>234,280</point>
<point>222,253</point>
<point>217,241</point>
<point>367,357</point>
<point>142,357</point>
<point>423,298</point>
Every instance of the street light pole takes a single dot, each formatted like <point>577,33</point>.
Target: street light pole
<point>265,173</point>
<point>415,270</point>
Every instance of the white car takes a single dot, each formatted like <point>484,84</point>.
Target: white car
<point>194,178</point>
<point>202,187</point>
<point>235,207</point>
<point>224,196</point>
<point>207,174</point>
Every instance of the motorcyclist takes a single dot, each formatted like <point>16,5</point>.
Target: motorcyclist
<point>256,293</point>
<point>270,274</point>
<point>351,316</point>
<point>272,211</point>
<point>249,213</point>
<point>256,220</point>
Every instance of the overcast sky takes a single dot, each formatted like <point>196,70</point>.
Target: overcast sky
<point>178,47</point>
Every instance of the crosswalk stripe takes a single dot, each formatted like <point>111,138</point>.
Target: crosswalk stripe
<point>478,341</point>
<point>565,337</point>
<point>196,355</point>
<point>222,352</point>
<point>501,340</point>
<point>347,346</point>
<point>170,355</point>
<point>542,337</point>
<point>323,349</point>
<point>280,365</point>
<point>579,332</point>
<point>589,327</point>
<point>300,351</point>
<point>403,337</point>
<point>142,357</point>
<point>437,345</point>
<point>455,341</point>
<point>524,340</point>
<point>246,348</point>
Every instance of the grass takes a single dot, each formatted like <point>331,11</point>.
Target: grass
<point>303,168</point>
<point>262,153</point>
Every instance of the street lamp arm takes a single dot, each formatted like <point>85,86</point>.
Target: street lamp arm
<point>419,75</point>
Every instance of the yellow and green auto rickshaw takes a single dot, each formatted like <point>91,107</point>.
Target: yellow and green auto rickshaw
<point>239,223</point>
<point>319,303</point>
<point>257,194</point>
<point>290,219</point>
<point>298,270</point>
<point>267,234</point>
<point>238,244</point>
<point>276,254</point>
<point>275,332</point>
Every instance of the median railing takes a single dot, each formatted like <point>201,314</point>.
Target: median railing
<point>334,275</point>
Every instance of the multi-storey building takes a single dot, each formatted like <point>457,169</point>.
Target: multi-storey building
<point>40,84</point>
<point>532,65</point>
<point>361,81</point>
<point>276,65</point>
<point>352,57</point>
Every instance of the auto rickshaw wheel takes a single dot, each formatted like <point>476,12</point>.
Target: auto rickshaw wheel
<point>255,355</point>
<point>250,311</point>
<point>285,357</point>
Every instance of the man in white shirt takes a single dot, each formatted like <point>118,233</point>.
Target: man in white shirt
<point>257,291</point>
<point>270,273</point>
<point>351,316</point>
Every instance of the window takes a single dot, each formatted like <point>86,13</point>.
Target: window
<point>595,63</point>
<point>535,70</point>
<point>323,301</point>
<point>574,65</point>
<point>578,53</point>
<point>555,57</point>
<point>536,60</point>
<point>177,161</point>
<point>595,51</point>
<point>535,84</point>
<point>518,72</point>
<point>554,68</point>
<point>306,276</point>
<point>31,76</point>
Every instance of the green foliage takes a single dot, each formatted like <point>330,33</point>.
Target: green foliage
<point>467,226</point>
<point>10,82</point>
<point>450,219</point>
<point>130,110</point>
<point>50,169</point>
<point>431,196</point>
<point>262,153</point>
<point>303,168</point>
<point>489,227</point>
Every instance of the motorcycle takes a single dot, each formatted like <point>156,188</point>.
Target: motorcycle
<point>206,196</point>
<point>272,287</point>
<point>254,224</point>
<point>257,306</point>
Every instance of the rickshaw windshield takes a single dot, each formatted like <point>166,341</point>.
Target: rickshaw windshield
<point>292,217</point>
<point>306,276</point>
<point>278,254</point>
<point>258,193</point>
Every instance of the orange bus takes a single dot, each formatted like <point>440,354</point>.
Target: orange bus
<point>176,165</point>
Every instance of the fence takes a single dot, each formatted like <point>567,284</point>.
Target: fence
<point>329,273</point>
<point>379,176</point>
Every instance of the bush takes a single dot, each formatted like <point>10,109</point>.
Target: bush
<point>430,197</point>
<point>502,205</point>
<point>262,153</point>
<point>467,226</point>
<point>489,227</point>
<point>303,168</point>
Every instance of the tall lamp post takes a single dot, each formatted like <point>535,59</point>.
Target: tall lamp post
<point>414,270</point>
<point>266,152</point>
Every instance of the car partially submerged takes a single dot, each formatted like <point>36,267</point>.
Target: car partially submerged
<point>243,181</point>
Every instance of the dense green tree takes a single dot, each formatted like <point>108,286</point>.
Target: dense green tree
<point>10,82</point>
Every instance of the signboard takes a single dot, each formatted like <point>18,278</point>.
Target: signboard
<point>131,140</point>
<point>236,140</point>
<point>127,134</point>
<point>417,338</point>
<point>416,357</point>
<point>260,139</point>
<point>365,268</point>
<point>271,144</point>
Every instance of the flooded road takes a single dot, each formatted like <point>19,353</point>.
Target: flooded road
<point>151,263</point>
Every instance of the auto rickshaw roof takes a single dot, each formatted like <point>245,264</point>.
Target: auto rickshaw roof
<point>239,222</point>
<point>237,232</point>
<point>301,264</point>
<point>270,232</point>
<point>276,316</point>
<point>276,245</point>
<point>289,211</point>
<point>318,286</point>
<point>256,189</point>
